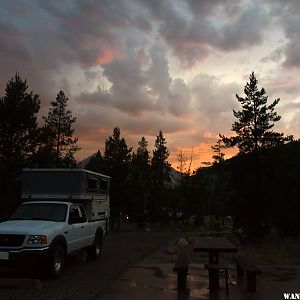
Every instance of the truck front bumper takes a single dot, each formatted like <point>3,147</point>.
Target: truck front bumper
<point>25,255</point>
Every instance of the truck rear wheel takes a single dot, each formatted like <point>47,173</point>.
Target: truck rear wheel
<point>95,251</point>
<point>56,261</point>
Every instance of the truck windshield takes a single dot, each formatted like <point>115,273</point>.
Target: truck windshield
<point>41,211</point>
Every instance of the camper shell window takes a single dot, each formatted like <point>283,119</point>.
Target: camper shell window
<point>103,185</point>
<point>92,184</point>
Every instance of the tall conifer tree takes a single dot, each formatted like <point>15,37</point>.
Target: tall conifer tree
<point>116,158</point>
<point>218,157</point>
<point>254,133</point>
<point>58,134</point>
<point>159,163</point>
<point>18,122</point>
<point>18,135</point>
<point>255,121</point>
<point>140,177</point>
<point>160,173</point>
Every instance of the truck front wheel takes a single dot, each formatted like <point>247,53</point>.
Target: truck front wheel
<point>95,251</point>
<point>56,261</point>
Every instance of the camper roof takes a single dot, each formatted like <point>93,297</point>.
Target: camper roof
<point>63,170</point>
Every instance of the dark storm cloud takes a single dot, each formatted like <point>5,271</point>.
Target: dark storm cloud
<point>275,56</point>
<point>227,25</point>
<point>48,36</point>
<point>96,32</point>
<point>287,13</point>
<point>128,92</point>
<point>12,43</point>
<point>93,29</point>
<point>212,97</point>
<point>148,88</point>
<point>194,28</point>
<point>292,49</point>
<point>112,57</point>
<point>83,32</point>
<point>172,95</point>
<point>244,31</point>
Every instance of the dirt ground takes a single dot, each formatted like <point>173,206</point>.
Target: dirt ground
<point>153,278</point>
<point>86,279</point>
<point>139,265</point>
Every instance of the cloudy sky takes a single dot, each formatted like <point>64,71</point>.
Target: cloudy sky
<point>150,65</point>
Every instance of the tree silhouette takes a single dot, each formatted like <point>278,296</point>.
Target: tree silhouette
<point>117,158</point>
<point>218,157</point>
<point>160,173</point>
<point>255,121</point>
<point>253,135</point>
<point>159,163</point>
<point>140,178</point>
<point>58,133</point>
<point>18,132</point>
<point>181,159</point>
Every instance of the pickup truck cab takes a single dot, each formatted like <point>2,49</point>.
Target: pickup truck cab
<point>49,227</point>
<point>49,231</point>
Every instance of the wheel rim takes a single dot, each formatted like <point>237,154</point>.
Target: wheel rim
<point>58,260</point>
<point>98,247</point>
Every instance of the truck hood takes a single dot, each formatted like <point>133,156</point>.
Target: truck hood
<point>28,227</point>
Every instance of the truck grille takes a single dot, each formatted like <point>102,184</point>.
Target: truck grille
<point>11,240</point>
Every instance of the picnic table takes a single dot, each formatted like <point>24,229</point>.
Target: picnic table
<point>214,246</point>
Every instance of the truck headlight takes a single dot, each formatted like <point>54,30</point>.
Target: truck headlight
<point>37,239</point>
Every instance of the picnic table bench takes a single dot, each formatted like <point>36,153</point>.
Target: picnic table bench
<point>213,279</point>
<point>181,267</point>
<point>214,246</point>
<point>244,265</point>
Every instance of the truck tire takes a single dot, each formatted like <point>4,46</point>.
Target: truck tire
<point>56,261</point>
<point>95,251</point>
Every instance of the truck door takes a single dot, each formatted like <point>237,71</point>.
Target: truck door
<point>87,238</point>
<point>78,230</point>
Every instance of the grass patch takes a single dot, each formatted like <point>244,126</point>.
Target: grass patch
<point>274,251</point>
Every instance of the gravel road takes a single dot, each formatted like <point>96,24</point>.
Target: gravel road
<point>86,279</point>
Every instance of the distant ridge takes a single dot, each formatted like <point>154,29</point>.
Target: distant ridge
<point>84,162</point>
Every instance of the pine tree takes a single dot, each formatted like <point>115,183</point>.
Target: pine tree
<point>140,177</point>
<point>253,133</point>
<point>218,157</point>
<point>60,145</point>
<point>116,154</point>
<point>18,122</point>
<point>142,151</point>
<point>117,158</point>
<point>160,173</point>
<point>141,159</point>
<point>159,162</point>
<point>18,133</point>
<point>255,121</point>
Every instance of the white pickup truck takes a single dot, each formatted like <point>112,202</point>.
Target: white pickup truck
<point>48,227</point>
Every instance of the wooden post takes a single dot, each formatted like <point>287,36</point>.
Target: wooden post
<point>213,275</point>
<point>251,282</point>
<point>239,272</point>
<point>226,278</point>
<point>181,280</point>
